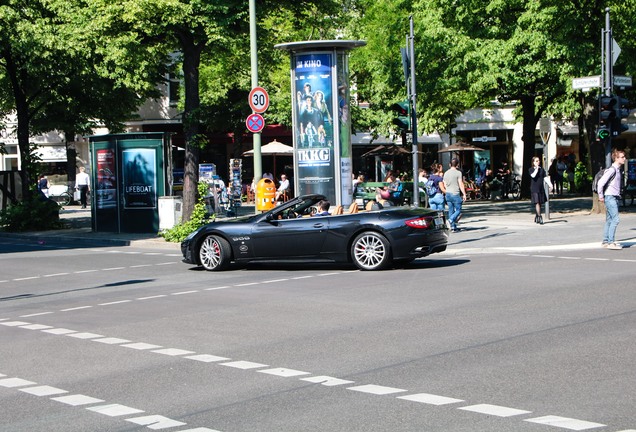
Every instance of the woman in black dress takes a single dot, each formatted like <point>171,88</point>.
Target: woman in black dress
<point>537,190</point>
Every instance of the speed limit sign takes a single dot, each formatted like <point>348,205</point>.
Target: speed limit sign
<point>259,100</point>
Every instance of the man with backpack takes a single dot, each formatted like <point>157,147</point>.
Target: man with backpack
<point>609,192</point>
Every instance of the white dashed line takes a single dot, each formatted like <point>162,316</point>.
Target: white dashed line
<point>114,302</point>
<point>26,278</point>
<point>166,263</point>
<point>141,265</point>
<point>282,372</point>
<point>156,422</point>
<point>184,292</point>
<point>59,331</point>
<point>569,258</point>
<point>35,314</point>
<point>247,284</point>
<point>207,358</point>
<point>56,274</point>
<point>376,389</point>
<point>111,341</point>
<point>216,288</point>
<point>43,390</point>
<point>85,271</point>
<point>141,346</point>
<point>241,364</point>
<point>495,410</point>
<point>15,382</point>
<point>113,268</point>
<point>274,281</point>
<point>75,308</point>
<point>327,380</point>
<point>85,335</point>
<point>430,399</point>
<point>114,410</point>
<point>152,297</point>
<point>565,423</point>
<point>172,352</point>
<point>14,323</point>
<point>36,327</point>
<point>77,400</point>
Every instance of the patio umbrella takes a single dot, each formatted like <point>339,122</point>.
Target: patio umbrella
<point>273,149</point>
<point>460,147</point>
<point>390,150</point>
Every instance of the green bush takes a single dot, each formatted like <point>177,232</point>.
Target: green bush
<point>199,218</point>
<point>34,214</point>
<point>582,180</point>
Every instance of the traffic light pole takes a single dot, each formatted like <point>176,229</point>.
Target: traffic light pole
<point>413,97</point>
<point>607,77</point>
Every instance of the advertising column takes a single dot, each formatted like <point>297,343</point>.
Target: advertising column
<point>321,120</point>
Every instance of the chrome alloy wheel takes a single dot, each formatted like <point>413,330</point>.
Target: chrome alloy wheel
<point>370,251</point>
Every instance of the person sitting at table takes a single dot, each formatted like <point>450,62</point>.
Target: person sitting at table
<point>283,187</point>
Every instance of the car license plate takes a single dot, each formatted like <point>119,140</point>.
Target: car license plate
<point>439,222</point>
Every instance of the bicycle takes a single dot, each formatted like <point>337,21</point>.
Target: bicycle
<point>61,194</point>
<point>514,187</point>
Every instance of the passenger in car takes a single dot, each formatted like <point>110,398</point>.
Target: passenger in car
<point>323,208</point>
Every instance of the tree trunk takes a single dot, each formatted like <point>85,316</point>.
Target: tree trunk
<point>191,125</point>
<point>529,126</point>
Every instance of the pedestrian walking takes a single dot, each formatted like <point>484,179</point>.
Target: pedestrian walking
<point>435,187</point>
<point>537,189</point>
<point>83,183</point>
<point>609,192</point>
<point>455,193</point>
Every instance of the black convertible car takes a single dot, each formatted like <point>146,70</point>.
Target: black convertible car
<point>372,240</point>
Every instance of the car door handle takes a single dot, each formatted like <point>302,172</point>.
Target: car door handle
<point>319,225</point>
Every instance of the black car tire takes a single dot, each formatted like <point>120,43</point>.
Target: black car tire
<point>215,253</point>
<point>371,251</point>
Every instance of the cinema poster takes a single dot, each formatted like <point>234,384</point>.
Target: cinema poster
<point>139,178</point>
<point>314,124</point>
<point>105,189</point>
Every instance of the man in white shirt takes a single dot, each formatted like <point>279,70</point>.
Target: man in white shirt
<point>283,186</point>
<point>83,183</point>
<point>609,192</point>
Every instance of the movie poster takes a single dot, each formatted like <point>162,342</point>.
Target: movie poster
<point>106,189</point>
<point>139,178</point>
<point>314,124</point>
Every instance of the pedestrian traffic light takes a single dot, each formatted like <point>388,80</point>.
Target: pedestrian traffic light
<point>602,133</point>
<point>621,107</point>
<point>403,119</point>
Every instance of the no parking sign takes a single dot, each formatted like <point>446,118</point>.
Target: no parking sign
<point>255,123</point>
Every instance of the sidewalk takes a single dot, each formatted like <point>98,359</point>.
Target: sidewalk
<point>486,227</point>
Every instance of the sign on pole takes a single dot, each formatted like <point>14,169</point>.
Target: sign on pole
<point>255,123</point>
<point>258,100</point>
<point>622,81</point>
<point>586,82</point>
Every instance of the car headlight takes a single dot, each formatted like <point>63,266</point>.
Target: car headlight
<point>192,234</point>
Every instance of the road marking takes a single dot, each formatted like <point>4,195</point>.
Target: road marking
<point>113,268</point>
<point>156,422</point>
<point>114,410</point>
<point>43,390</point>
<point>75,308</point>
<point>376,389</point>
<point>15,382</point>
<point>244,365</point>
<point>275,281</point>
<point>166,263</point>
<point>14,323</point>
<point>206,358</point>
<point>565,423</point>
<point>77,400</point>
<point>326,380</point>
<point>141,265</point>
<point>36,327</point>
<point>247,284</point>
<point>111,341</point>
<point>35,314</point>
<point>85,335</point>
<point>27,278</point>
<point>569,258</point>
<point>495,410</point>
<point>114,302</point>
<point>152,297</point>
<point>172,352</point>
<point>141,346</point>
<point>85,271</point>
<point>216,288</point>
<point>283,372</point>
<point>59,331</point>
<point>430,399</point>
<point>55,274</point>
<point>184,292</point>
<point>543,256</point>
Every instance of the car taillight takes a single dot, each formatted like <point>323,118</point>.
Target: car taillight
<point>421,222</point>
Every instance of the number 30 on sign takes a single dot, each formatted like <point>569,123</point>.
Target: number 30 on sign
<point>258,100</point>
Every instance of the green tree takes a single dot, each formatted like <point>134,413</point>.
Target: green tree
<point>471,52</point>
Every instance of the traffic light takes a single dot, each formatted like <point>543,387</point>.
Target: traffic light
<point>621,107</point>
<point>403,119</point>
<point>607,112</point>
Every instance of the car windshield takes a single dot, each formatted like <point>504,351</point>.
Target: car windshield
<point>297,208</point>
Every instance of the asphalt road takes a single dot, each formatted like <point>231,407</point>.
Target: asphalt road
<point>131,339</point>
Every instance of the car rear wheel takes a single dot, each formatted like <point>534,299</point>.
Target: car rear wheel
<point>214,253</point>
<point>371,251</point>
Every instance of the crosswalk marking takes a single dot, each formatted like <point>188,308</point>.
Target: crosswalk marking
<point>430,399</point>
<point>495,410</point>
<point>564,422</point>
<point>376,389</point>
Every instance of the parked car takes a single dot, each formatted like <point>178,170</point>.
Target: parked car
<point>372,240</point>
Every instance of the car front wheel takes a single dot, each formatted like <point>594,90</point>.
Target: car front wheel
<point>215,253</point>
<point>371,251</point>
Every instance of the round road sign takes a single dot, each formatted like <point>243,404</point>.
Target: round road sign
<point>259,100</point>
<point>255,123</point>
